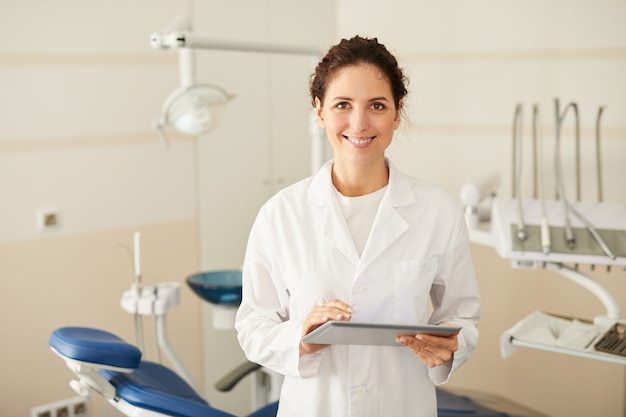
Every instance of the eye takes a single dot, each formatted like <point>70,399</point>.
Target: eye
<point>378,106</point>
<point>342,105</point>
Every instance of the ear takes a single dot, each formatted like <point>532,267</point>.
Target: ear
<point>398,117</point>
<point>318,113</point>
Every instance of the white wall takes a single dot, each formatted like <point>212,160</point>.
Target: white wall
<point>469,63</point>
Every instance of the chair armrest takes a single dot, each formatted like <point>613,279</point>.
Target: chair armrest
<point>228,381</point>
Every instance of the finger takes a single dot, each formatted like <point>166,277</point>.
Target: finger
<point>430,355</point>
<point>335,310</point>
<point>339,305</point>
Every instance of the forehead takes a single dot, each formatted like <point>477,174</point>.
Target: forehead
<point>357,80</point>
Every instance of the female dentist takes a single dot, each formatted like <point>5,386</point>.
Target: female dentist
<point>358,241</point>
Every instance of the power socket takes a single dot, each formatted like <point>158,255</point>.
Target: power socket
<point>71,407</point>
<point>48,218</point>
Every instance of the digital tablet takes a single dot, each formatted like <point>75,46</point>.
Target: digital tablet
<point>375,334</point>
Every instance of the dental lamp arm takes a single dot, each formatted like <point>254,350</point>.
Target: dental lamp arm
<point>186,39</point>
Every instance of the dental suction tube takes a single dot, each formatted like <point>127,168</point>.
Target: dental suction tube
<point>517,171</point>
<point>569,232</point>
<point>538,141</point>
<point>598,155</point>
<point>567,207</point>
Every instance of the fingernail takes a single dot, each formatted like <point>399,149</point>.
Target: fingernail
<point>419,337</point>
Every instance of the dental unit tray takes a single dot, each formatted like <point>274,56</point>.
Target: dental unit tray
<point>608,219</point>
<point>375,334</point>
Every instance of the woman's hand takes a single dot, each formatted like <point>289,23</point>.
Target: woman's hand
<point>432,350</point>
<point>332,310</point>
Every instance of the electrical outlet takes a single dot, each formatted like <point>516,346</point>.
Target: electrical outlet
<point>80,408</point>
<point>63,411</point>
<point>71,407</point>
<point>48,218</point>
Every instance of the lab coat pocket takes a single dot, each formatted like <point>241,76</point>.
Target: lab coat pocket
<point>412,280</point>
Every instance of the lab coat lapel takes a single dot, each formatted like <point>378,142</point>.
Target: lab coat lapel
<point>389,224</point>
<point>387,228</point>
<point>329,216</point>
<point>334,228</point>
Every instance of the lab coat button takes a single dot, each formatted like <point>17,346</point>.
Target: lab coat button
<point>359,289</point>
<point>360,390</point>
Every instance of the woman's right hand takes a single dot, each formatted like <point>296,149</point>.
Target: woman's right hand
<point>331,310</point>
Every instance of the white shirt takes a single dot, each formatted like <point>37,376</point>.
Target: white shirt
<point>300,253</point>
<point>359,213</point>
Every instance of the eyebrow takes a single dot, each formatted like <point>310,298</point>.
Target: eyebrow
<point>382,98</point>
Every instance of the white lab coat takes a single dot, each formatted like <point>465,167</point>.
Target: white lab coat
<point>300,253</point>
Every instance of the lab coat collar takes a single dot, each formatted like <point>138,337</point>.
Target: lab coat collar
<point>388,226</point>
<point>398,192</point>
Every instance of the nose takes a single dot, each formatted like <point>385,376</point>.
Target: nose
<point>359,120</point>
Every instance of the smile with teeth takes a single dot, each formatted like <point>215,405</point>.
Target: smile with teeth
<point>359,140</point>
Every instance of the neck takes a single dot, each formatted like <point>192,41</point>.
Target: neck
<point>356,180</point>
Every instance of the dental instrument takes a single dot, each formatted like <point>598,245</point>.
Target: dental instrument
<point>569,232</point>
<point>538,145</point>
<point>598,154</point>
<point>594,233</point>
<point>517,171</point>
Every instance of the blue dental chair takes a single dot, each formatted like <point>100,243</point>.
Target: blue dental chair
<point>108,365</point>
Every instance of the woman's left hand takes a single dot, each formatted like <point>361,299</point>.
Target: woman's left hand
<point>432,350</point>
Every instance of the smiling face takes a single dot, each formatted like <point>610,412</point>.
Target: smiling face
<point>359,115</point>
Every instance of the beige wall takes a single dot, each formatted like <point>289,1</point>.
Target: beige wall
<point>469,63</point>
<point>79,88</point>
<point>78,280</point>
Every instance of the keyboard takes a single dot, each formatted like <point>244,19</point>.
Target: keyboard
<point>614,340</point>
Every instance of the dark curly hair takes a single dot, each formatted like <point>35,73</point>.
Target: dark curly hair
<point>354,51</point>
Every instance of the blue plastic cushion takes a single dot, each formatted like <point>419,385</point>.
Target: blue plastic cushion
<point>154,387</point>
<point>94,346</point>
<point>451,405</point>
<point>269,410</point>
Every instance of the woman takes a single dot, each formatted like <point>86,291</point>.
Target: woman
<point>358,241</point>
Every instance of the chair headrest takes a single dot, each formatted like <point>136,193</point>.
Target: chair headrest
<point>94,346</point>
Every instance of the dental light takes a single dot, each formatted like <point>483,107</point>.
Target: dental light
<point>191,107</point>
